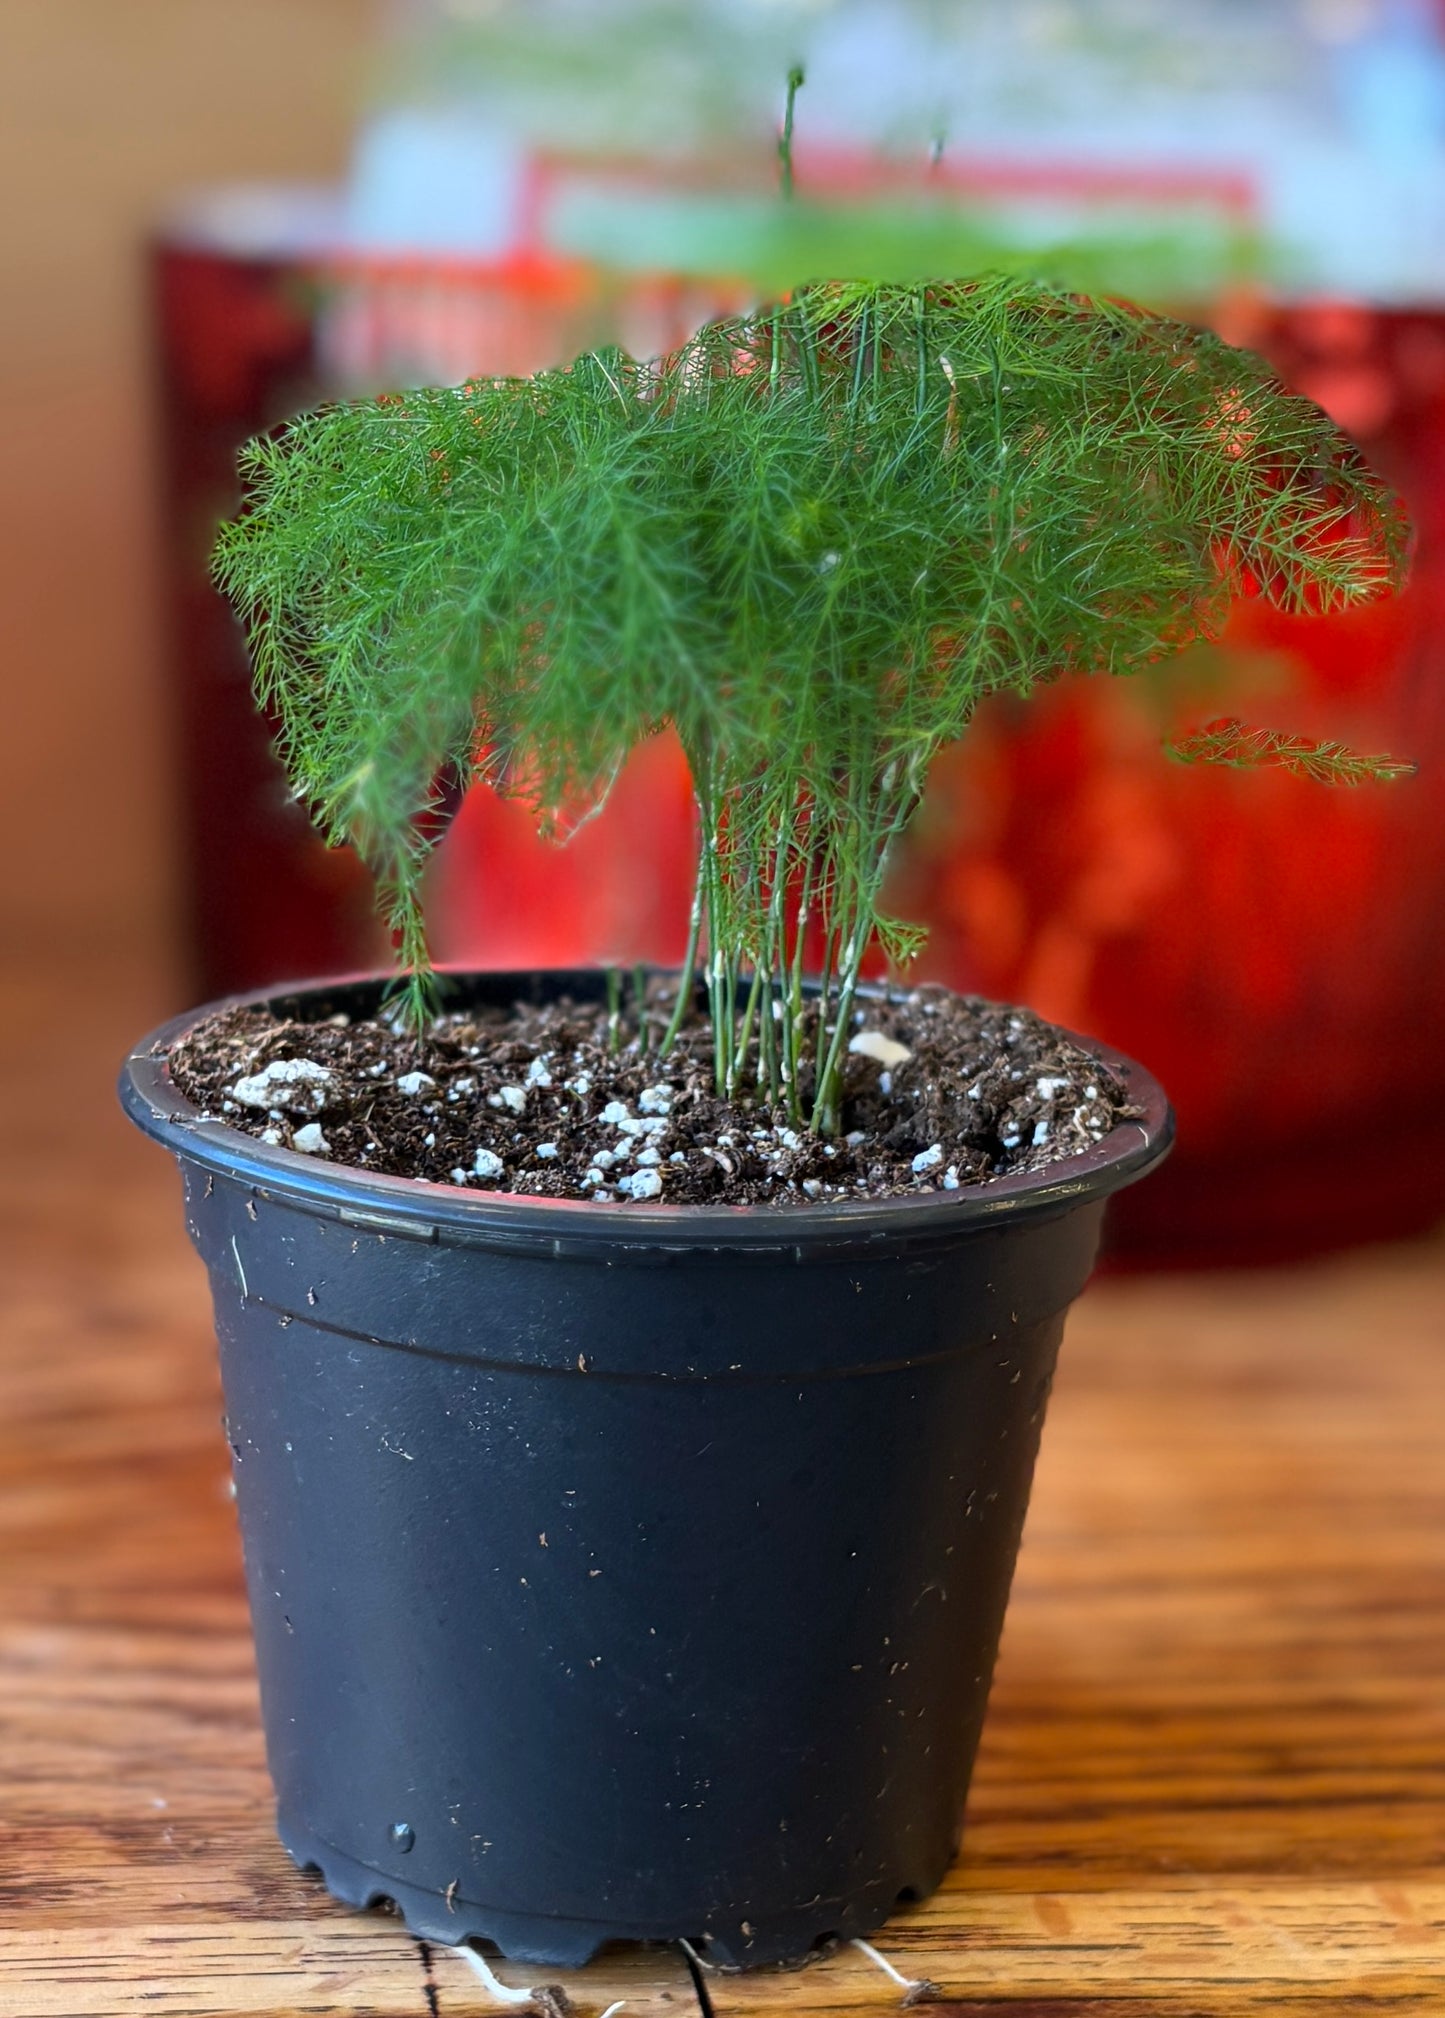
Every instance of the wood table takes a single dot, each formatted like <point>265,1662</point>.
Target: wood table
<point>1213,1778</point>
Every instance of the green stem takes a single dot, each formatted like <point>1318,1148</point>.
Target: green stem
<point>794,1006</point>
<point>825,1115</point>
<point>785,138</point>
<point>730,1021</point>
<point>716,963</point>
<point>826,1104</point>
<point>770,1076</point>
<point>689,967</point>
<point>745,1039</point>
<point>710,887</point>
<point>862,351</point>
<point>825,996</point>
<point>773,961</point>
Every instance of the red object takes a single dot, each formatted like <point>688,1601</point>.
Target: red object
<point>619,890</point>
<point>1269,947</point>
<point>262,898</point>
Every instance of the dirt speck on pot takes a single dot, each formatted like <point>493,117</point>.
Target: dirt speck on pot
<point>941,1091</point>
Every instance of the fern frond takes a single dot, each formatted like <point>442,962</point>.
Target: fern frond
<point>1233,743</point>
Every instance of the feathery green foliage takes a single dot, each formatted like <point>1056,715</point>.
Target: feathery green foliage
<point>1239,747</point>
<point>812,540</point>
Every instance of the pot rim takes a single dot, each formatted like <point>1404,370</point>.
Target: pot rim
<point>418,1209</point>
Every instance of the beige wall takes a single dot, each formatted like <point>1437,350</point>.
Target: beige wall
<point>107,108</point>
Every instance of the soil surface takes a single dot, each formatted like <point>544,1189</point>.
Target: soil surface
<point>941,1091</point>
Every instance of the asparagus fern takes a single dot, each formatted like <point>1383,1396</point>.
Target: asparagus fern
<point>811,541</point>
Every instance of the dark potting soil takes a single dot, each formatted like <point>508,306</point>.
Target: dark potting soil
<point>941,1091</point>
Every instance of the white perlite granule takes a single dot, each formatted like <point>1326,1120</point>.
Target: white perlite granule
<point>873,1044</point>
<point>297,1085</point>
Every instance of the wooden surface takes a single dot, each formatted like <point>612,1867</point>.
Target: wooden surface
<point>1213,1778</point>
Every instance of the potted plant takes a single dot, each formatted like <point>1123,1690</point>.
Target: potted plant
<point>634,1384</point>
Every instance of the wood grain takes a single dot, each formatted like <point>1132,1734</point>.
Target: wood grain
<point>1213,1778</point>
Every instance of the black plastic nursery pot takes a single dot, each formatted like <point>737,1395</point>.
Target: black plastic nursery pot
<point>626,1572</point>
